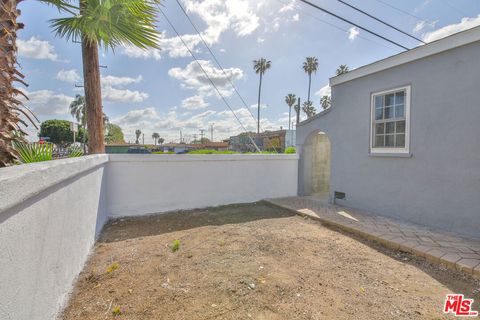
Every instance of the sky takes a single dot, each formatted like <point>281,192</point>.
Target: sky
<point>164,90</point>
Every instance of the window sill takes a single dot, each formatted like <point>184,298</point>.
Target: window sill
<point>391,154</point>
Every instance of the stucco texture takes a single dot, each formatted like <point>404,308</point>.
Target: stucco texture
<point>439,184</point>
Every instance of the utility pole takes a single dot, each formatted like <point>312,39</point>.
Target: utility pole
<point>194,138</point>
<point>202,131</point>
<point>143,138</point>
<point>181,139</point>
<point>211,132</point>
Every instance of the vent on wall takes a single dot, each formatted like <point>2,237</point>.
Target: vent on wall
<point>339,195</point>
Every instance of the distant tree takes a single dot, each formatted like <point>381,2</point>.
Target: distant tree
<point>138,133</point>
<point>310,66</point>
<point>59,133</point>
<point>309,109</point>
<point>343,68</point>
<point>325,102</point>
<point>290,100</point>
<point>114,134</point>
<point>109,24</point>
<point>78,109</point>
<point>204,140</point>
<point>155,137</point>
<point>297,110</point>
<point>161,140</point>
<point>260,66</point>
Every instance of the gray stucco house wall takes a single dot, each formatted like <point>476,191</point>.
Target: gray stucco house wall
<point>437,183</point>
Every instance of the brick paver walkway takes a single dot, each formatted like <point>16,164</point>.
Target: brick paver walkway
<point>440,247</point>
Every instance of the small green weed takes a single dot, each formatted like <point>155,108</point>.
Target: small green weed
<point>116,311</point>
<point>175,245</point>
<point>114,266</point>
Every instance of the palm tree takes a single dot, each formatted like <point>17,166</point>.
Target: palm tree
<point>309,109</point>
<point>297,110</point>
<point>137,135</point>
<point>325,102</point>
<point>343,68</point>
<point>290,100</point>
<point>310,66</point>
<point>161,140</point>
<point>155,136</point>
<point>109,24</point>
<point>11,108</point>
<point>78,109</point>
<point>260,66</point>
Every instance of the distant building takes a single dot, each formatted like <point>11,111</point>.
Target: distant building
<point>268,140</point>
<point>184,147</point>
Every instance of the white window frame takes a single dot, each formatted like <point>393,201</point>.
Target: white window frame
<point>380,150</point>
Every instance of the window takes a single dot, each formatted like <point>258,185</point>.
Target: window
<point>390,121</point>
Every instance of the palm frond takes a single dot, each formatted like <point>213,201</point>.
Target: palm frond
<point>33,152</point>
<point>112,23</point>
<point>62,5</point>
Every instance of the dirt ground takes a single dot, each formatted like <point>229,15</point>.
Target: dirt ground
<point>253,262</point>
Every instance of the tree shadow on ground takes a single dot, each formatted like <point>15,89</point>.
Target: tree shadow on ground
<point>157,224</point>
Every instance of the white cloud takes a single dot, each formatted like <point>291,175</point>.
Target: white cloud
<point>70,76</point>
<point>464,24</point>
<point>218,15</point>
<point>134,52</point>
<point>168,124</point>
<point>260,40</point>
<point>195,102</point>
<point>36,49</point>
<point>287,7</point>
<point>353,32</point>
<point>296,17</point>
<point>262,106</point>
<point>324,91</point>
<point>419,26</point>
<point>123,95</point>
<point>47,102</point>
<point>192,77</point>
<point>119,81</point>
<point>112,93</point>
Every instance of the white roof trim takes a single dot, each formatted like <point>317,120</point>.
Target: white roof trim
<point>444,44</point>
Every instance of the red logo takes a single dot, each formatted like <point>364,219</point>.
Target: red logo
<point>459,306</point>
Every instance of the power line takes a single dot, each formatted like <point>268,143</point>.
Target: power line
<point>353,23</point>
<point>381,21</point>
<point>334,26</point>
<point>209,79</point>
<point>218,63</point>
<point>215,58</point>
<point>406,12</point>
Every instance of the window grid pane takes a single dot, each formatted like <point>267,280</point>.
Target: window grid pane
<point>389,122</point>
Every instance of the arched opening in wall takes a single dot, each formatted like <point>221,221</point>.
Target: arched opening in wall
<point>316,159</point>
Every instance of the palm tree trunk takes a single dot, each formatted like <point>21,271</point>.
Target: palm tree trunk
<point>309,85</point>
<point>298,112</point>
<point>9,117</point>
<point>289,117</point>
<point>258,114</point>
<point>93,97</point>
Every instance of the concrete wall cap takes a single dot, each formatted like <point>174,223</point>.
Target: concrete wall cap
<point>199,157</point>
<point>19,183</point>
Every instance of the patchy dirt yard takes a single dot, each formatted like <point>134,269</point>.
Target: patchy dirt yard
<point>253,262</point>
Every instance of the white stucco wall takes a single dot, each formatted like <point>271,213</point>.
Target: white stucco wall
<point>144,184</point>
<point>51,212</point>
<point>49,215</point>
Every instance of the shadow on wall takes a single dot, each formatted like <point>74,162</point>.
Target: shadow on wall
<point>316,155</point>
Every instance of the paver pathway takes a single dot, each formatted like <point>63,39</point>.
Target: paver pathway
<point>440,247</point>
